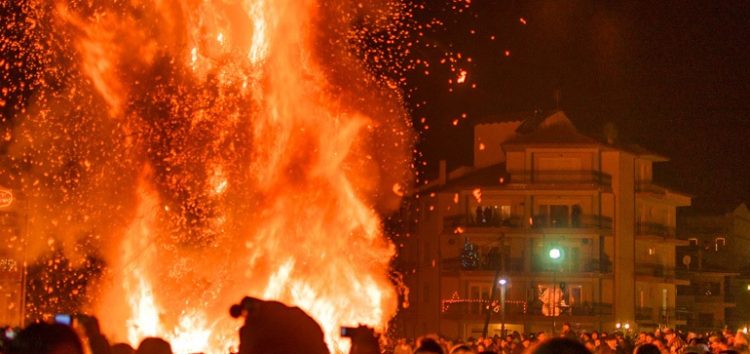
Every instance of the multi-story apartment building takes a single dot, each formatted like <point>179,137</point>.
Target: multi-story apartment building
<point>548,226</point>
<point>717,262</point>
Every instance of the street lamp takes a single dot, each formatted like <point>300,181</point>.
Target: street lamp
<point>502,283</point>
<point>555,254</point>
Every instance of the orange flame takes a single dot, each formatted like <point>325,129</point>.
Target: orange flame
<point>260,174</point>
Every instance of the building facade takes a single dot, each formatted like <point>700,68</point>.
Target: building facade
<point>548,226</point>
<point>716,259</point>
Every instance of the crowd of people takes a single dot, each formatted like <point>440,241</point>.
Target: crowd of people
<point>274,328</point>
<point>660,341</point>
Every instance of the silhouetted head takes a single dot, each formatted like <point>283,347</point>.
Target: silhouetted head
<point>121,348</point>
<point>45,338</point>
<point>152,345</point>
<point>272,327</point>
<point>648,349</point>
<point>428,346</point>
<point>560,346</point>
<point>462,349</point>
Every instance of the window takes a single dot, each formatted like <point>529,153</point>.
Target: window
<point>651,251</point>
<point>641,298</point>
<point>476,292</point>
<point>711,289</point>
<point>505,212</point>
<point>693,242</point>
<point>559,298</point>
<point>559,215</point>
<point>493,214</point>
<point>719,243</point>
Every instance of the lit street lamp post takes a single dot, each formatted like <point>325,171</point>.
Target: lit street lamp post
<point>502,282</point>
<point>555,254</point>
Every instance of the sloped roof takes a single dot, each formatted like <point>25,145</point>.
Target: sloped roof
<point>513,117</point>
<point>554,129</point>
<point>482,177</point>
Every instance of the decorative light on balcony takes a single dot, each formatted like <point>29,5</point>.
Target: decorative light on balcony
<point>455,299</point>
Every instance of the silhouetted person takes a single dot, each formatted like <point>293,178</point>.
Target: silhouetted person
<point>575,215</point>
<point>568,332</point>
<point>45,338</point>
<point>121,348</point>
<point>647,348</point>
<point>428,346</point>
<point>274,328</point>
<point>364,340</point>
<point>97,342</point>
<point>153,345</point>
<point>462,349</point>
<point>560,346</point>
<point>487,215</point>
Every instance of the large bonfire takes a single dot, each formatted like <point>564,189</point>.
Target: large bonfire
<point>211,149</point>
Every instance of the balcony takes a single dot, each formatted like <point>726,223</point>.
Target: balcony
<point>654,229</point>
<point>649,187</point>
<point>559,178</point>
<point>485,263</point>
<point>668,274</point>
<point>464,221</point>
<point>659,315</point>
<point>574,222</point>
<point>517,310</point>
<point>489,263</point>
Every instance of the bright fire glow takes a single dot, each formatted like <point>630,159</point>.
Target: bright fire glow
<point>241,164</point>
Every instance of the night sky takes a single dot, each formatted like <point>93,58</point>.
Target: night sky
<point>672,76</point>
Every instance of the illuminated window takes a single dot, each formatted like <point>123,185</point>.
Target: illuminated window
<point>719,243</point>
<point>651,251</point>
<point>505,212</point>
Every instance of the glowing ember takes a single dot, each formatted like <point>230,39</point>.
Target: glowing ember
<point>477,193</point>
<point>242,150</point>
<point>461,76</point>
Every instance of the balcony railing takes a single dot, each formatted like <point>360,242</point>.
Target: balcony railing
<point>574,222</point>
<point>649,187</point>
<point>562,177</point>
<point>654,229</point>
<point>486,263</point>
<point>489,262</point>
<point>463,221</point>
<point>518,308</point>
<point>660,271</point>
<point>659,315</point>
